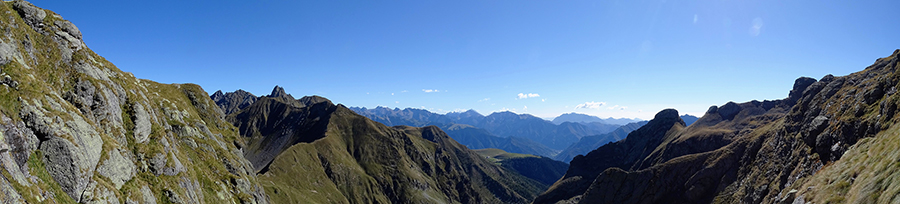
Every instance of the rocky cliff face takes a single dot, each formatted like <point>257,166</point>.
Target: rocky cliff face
<point>817,145</point>
<point>233,101</point>
<point>74,128</point>
<point>347,158</point>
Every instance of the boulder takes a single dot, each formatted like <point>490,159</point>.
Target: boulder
<point>147,195</point>
<point>142,125</point>
<point>61,159</point>
<point>117,169</point>
<point>32,15</point>
<point>71,148</point>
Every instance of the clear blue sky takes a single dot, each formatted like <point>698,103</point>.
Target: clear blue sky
<point>457,55</point>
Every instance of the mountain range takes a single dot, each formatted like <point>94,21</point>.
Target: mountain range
<point>584,118</point>
<point>517,133</point>
<point>74,128</point>
<point>595,133</point>
<point>522,129</point>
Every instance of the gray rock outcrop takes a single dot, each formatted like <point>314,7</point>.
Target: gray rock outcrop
<point>141,124</point>
<point>101,135</point>
<point>117,169</point>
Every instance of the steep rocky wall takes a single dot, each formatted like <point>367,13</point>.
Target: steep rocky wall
<point>74,128</point>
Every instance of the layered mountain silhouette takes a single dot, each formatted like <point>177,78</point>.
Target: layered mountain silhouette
<point>584,118</point>
<point>521,128</point>
<point>74,128</point>
<point>816,145</point>
<point>347,158</point>
<point>476,138</point>
<point>589,143</point>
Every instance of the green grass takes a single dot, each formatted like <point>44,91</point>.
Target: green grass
<point>865,172</point>
<point>499,154</point>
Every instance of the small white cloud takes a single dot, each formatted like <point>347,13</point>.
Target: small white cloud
<point>431,90</point>
<point>756,27</point>
<point>525,108</point>
<point>695,18</point>
<point>613,107</point>
<point>485,99</point>
<point>528,95</point>
<point>542,100</point>
<point>404,91</point>
<point>590,105</point>
<point>367,93</point>
<point>396,101</point>
<point>392,94</point>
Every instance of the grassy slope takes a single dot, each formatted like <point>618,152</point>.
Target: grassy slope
<point>869,172</point>
<point>362,161</point>
<point>47,76</point>
<point>541,169</point>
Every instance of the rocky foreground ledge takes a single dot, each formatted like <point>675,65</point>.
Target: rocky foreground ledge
<point>74,128</point>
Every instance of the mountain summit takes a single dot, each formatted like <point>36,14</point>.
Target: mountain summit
<point>278,92</point>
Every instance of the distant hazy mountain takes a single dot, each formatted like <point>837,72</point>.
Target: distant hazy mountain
<point>589,143</point>
<point>689,119</point>
<point>477,138</point>
<point>469,117</point>
<point>584,118</point>
<point>409,116</point>
<point>502,124</point>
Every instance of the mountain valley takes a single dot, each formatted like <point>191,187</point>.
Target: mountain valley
<point>75,128</point>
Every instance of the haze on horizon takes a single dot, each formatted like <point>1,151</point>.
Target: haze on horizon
<point>609,59</point>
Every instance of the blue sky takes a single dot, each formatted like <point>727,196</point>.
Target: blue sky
<point>604,58</point>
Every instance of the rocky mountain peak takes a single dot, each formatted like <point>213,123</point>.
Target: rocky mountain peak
<point>218,95</point>
<point>310,100</point>
<point>668,114</point>
<point>278,92</point>
<point>800,85</point>
<point>233,101</point>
